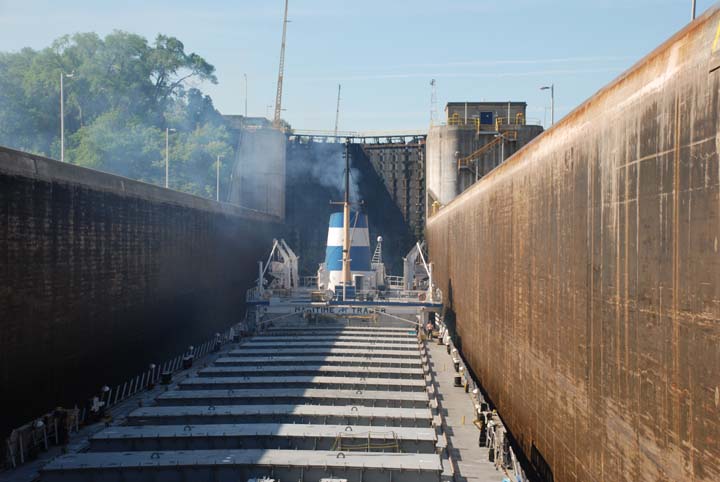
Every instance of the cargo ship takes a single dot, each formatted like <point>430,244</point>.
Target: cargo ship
<point>328,378</point>
<point>352,280</point>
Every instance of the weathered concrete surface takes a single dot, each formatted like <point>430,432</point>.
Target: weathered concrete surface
<point>584,275</point>
<point>258,177</point>
<point>101,275</point>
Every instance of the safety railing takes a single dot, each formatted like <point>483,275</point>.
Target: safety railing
<point>465,162</point>
<point>395,296</point>
<point>309,281</point>
<point>53,428</point>
<point>518,120</point>
<point>395,282</point>
<point>457,120</point>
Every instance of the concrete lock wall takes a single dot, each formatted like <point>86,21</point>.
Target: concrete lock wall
<point>258,178</point>
<point>444,145</point>
<point>584,276</point>
<point>103,275</point>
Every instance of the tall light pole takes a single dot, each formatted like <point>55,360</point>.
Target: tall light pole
<point>502,147</point>
<point>217,179</point>
<point>62,114</point>
<point>551,88</point>
<point>245,76</point>
<point>692,11</point>
<point>167,154</point>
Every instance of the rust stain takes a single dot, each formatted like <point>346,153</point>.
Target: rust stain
<point>586,289</point>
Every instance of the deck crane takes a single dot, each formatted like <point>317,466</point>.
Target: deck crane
<point>278,97</point>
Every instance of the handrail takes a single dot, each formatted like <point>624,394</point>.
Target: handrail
<point>465,161</point>
<point>360,134</point>
<point>456,120</point>
<point>507,136</point>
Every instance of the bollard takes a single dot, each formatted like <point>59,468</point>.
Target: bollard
<point>165,378</point>
<point>187,362</point>
<point>458,381</point>
<point>456,364</point>
<point>482,441</point>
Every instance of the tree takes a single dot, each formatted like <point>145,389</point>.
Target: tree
<point>196,153</point>
<point>171,67</point>
<point>122,95</point>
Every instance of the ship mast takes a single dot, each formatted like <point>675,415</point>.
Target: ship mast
<point>346,273</point>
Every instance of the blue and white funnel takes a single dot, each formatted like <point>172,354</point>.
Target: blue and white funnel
<point>359,247</point>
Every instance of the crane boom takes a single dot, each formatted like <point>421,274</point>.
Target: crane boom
<point>337,111</point>
<point>278,97</point>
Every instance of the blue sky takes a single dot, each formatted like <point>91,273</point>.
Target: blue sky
<point>384,53</point>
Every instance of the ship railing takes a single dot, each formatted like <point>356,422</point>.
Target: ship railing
<point>395,282</point>
<point>254,294</point>
<point>53,428</point>
<point>393,295</point>
<point>309,281</point>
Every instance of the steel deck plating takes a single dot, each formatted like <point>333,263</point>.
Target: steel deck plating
<point>311,360</point>
<point>267,409</point>
<point>369,398</point>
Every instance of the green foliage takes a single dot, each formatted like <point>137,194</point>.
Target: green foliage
<point>193,159</point>
<point>115,143</point>
<point>124,92</point>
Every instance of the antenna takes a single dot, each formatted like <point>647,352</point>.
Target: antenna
<point>278,97</point>
<point>433,102</point>
<point>337,111</point>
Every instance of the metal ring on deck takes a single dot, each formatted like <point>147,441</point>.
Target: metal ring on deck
<point>354,409</point>
<point>155,455</point>
<point>339,454</point>
<point>187,428</point>
<point>348,428</point>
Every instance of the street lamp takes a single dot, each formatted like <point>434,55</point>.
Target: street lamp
<point>692,10</point>
<point>62,113</point>
<point>551,88</point>
<point>167,154</point>
<point>217,179</point>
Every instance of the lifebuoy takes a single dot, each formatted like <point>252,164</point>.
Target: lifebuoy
<point>421,296</point>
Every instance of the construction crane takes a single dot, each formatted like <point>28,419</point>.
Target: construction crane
<point>278,97</point>
<point>337,111</point>
<point>433,102</point>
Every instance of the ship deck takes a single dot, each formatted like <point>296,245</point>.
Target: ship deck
<point>354,402</point>
<point>300,404</point>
